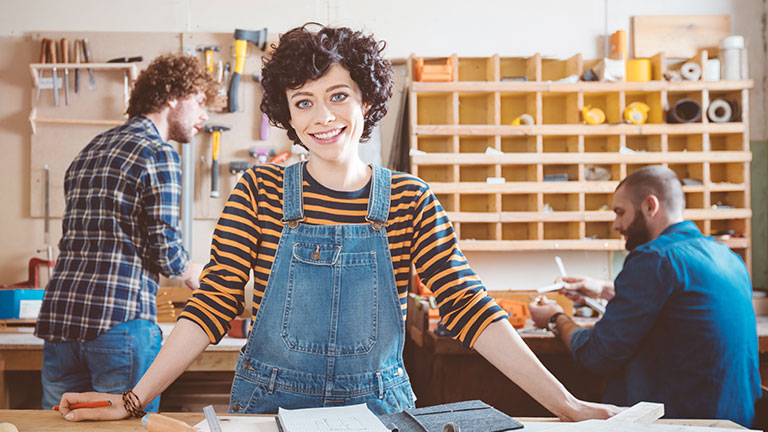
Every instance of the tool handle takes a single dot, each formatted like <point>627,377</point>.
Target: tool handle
<point>215,178</point>
<point>264,128</point>
<point>64,50</point>
<point>232,95</point>
<point>52,51</point>
<point>77,49</point>
<point>44,50</point>
<point>86,51</point>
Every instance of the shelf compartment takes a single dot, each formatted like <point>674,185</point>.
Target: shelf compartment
<point>608,102</point>
<point>644,143</point>
<point>476,173</point>
<point>447,201</point>
<point>675,96</point>
<point>694,171</point>
<point>520,231</point>
<point>561,230</point>
<point>476,69</point>
<point>726,142</point>
<point>634,167</point>
<point>600,231</point>
<point>477,231</point>
<point>732,173</point>
<point>519,203</point>
<point>679,143</point>
<point>558,109</point>
<point>727,199</point>
<point>653,100</point>
<point>601,143</point>
<point>434,109</point>
<point>482,203</point>
<point>598,202</point>
<point>518,144</point>
<point>514,105</point>
<point>512,69</point>
<point>476,109</point>
<point>694,200</point>
<point>562,202</point>
<point>614,170</point>
<point>560,144</point>
<point>475,144</point>
<point>519,173</point>
<point>556,69</point>
<point>435,144</point>
<point>729,96</point>
<point>738,226</point>
<point>555,170</point>
<point>437,173</point>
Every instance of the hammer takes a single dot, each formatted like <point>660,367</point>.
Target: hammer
<point>242,37</point>
<point>208,50</point>
<point>215,131</point>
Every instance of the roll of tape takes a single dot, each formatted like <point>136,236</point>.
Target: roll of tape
<point>593,116</point>
<point>719,111</point>
<point>684,111</point>
<point>690,71</point>
<point>639,70</point>
<point>636,113</point>
<point>524,120</point>
<point>711,70</point>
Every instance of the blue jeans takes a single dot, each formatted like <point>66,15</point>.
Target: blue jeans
<point>112,363</point>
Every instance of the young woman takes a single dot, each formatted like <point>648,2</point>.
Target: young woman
<point>330,243</point>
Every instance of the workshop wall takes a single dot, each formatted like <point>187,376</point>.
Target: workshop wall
<point>429,28</point>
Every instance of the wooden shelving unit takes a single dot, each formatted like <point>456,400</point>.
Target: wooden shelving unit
<point>490,176</point>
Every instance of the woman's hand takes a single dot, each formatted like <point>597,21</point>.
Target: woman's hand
<point>583,410</point>
<point>113,412</point>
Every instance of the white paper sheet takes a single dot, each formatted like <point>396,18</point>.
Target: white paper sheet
<point>242,424</point>
<point>351,418</point>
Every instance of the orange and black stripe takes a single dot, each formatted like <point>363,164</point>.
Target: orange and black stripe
<point>419,232</point>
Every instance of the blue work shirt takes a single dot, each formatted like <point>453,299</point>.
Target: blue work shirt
<point>680,330</point>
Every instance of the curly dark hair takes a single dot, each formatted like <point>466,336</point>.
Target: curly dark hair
<point>302,55</point>
<point>171,76</point>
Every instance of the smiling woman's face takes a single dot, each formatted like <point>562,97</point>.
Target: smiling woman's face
<point>328,115</point>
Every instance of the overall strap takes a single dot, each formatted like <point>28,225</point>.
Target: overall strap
<point>379,199</point>
<point>293,202</point>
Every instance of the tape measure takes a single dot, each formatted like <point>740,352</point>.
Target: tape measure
<point>636,113</point>
<point>593,116</point>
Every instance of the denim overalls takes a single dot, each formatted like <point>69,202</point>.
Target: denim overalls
<point>329,330</point>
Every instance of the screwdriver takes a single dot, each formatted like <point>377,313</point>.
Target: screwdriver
<point>77,49</point>
<point>65,60</point>
<point>52,59</point>
<point>43,57</point>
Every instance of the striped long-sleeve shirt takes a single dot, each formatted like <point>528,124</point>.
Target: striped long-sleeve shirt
<point>120,229</point>
<point>419,232</point>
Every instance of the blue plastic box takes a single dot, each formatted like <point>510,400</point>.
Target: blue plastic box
<point>20,303</point>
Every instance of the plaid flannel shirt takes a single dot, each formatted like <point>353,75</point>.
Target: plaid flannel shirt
<point>120,229</point>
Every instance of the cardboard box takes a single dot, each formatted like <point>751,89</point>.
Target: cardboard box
<point>20,303</point>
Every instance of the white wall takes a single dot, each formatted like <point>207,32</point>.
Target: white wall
<point>557,28</point>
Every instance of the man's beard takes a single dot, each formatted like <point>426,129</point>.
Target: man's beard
<point>637,232</point>
<point>176,130</point>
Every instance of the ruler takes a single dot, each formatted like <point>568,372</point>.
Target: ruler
<point>213,421</point>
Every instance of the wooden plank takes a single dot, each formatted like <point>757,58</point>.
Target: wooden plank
<point>585,86</point>
<point>577,158</point>
<point>580,129</point>
<point>678,36</point>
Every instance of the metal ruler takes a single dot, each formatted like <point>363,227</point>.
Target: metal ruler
<point>213,421</point>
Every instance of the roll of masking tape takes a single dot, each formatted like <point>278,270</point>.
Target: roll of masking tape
<point>684,111</point>
<point>719,111</point>
<point>639,70</point>
<point>690,71</point>
<point>636,113</point>
<point>524,120</point>
<point>593,116</point>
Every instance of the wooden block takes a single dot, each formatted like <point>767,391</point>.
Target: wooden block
<point>642,412</point>
<point>678,36</point>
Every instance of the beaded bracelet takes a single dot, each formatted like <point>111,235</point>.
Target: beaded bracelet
<point>132,404</point>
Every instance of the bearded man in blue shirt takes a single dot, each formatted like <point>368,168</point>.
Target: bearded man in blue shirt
<point>679,327</point>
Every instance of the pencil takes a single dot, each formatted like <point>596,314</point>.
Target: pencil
<point>98,404</point>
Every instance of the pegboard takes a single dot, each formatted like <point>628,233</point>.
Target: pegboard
<point>56,145</point>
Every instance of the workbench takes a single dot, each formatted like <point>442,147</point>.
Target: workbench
<point>443,371</point>
<point>20,350</point>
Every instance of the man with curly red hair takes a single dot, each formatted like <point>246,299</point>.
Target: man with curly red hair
<point>119,231</point>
